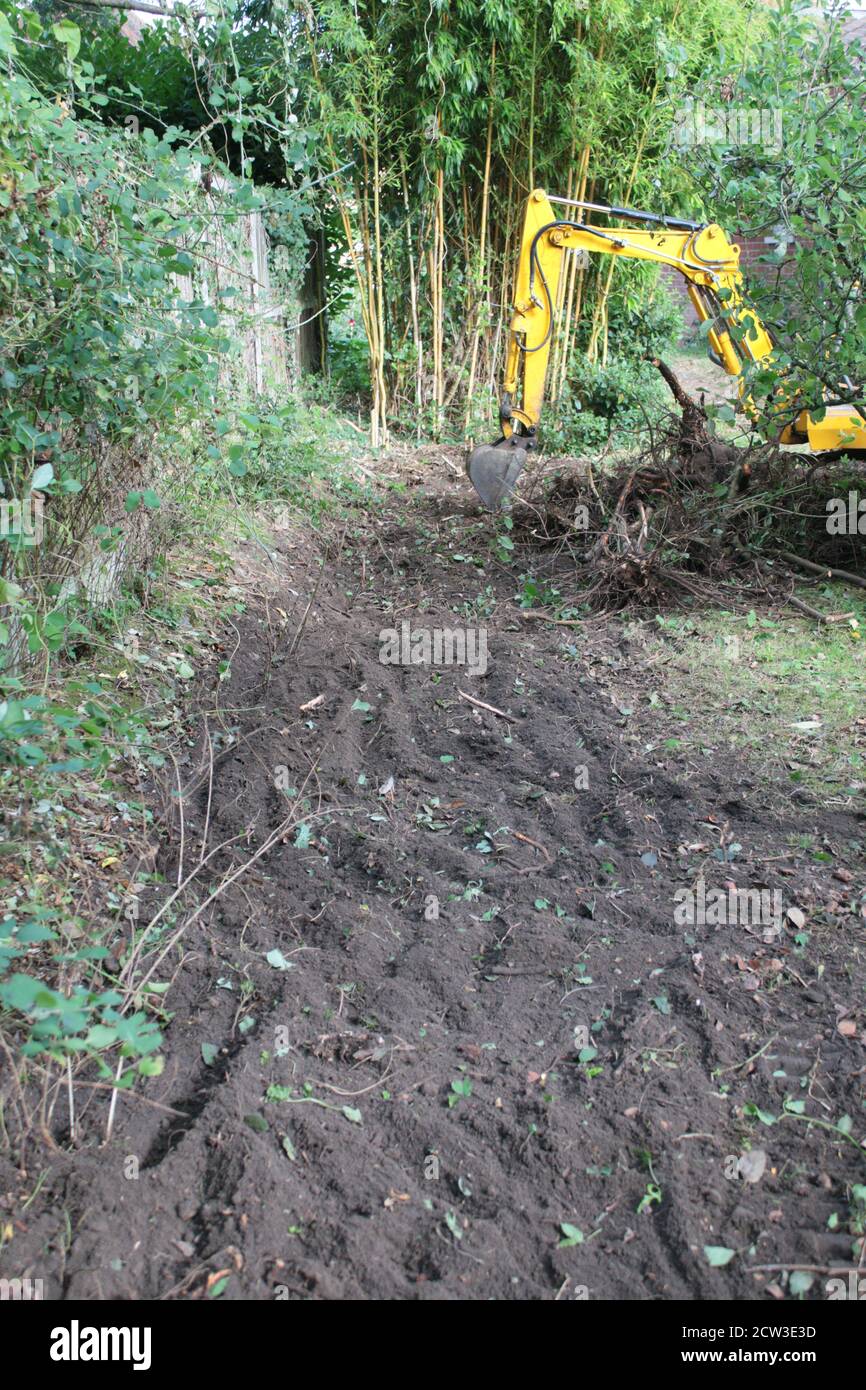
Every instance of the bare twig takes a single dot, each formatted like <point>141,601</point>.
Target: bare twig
<point>482,704</point>
<point>182,817</point>
<point>844,575</point>
<point>176,13</point>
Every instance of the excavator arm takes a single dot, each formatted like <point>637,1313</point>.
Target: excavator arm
<point>706,259</point>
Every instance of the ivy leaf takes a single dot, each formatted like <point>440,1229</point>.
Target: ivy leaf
<point>7,38</point>
<point>718,1255</point>
<point>43,476</point>
<point>571,1235</point>
<point>9,592</point>
<point>800,1282</point>
<point>67,33</point>
<point>763,1115</point>
<point>278,1093</point>
<point>277,961</point>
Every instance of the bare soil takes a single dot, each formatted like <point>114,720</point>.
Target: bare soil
<point>610,1062</point>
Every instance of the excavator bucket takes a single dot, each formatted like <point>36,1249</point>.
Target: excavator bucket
<point>494,469</point>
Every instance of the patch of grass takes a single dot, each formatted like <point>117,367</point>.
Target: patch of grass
<point>786,691</point>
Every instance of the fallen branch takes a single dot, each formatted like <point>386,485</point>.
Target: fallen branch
<point>176,13</point>
<point>508,972</point>
<point>557,622</point>
<point>797,603</point>
<point>803,1269</point>
<point>482,704</point>
<point>843,575</point>
<point>601,544</point>
<point>816,613</point>
<point>535,845</point>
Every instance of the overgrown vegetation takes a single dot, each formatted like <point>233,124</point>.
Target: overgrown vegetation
<point>798,183</point>
<point>121,334</point>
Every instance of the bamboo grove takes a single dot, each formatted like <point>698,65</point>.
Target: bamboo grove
<point>447,114</point>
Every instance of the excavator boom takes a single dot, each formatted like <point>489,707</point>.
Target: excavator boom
<point>709,263</point>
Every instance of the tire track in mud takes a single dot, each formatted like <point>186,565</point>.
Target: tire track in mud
<point>424,1191</point>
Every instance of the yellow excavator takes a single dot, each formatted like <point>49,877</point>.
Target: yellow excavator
<point>709,263</point>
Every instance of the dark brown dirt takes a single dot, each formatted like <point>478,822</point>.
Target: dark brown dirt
<point>556,913</point>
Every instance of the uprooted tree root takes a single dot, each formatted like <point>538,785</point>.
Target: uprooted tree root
<point>691,514</point>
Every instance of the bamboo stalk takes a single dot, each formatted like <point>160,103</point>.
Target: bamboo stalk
<point>561,290</point>
<point>482,241</point>
<point>381,392</point>
<point>575,292</point>
<point>435,256</point>
<point>506,285</point>
<point>532,100</point>
<point>600,311</point>
<point>413,303</point>
<point>440,296</point>
<point>361,278</point>
<point>372,315</point>
<point>564,336</point>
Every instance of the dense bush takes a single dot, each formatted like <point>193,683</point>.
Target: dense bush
<point>801,188</point>
<point>603,403</point>
<point>110,358</point>
<point>113,323</point>
<point>349,364</point>
<point>644,318</point>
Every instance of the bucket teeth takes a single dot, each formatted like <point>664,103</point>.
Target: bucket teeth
<point>493,471</point>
